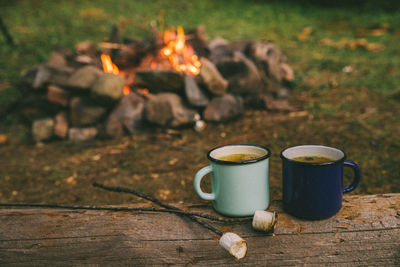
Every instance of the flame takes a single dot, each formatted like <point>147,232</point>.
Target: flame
<point>181,56</point>
<point>126,90</point>
<point>110,67</point>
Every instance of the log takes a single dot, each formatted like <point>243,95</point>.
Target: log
<point>366,232</point>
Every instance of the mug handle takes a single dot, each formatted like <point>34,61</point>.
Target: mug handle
<point>197,179</point>
<point>357,176</point>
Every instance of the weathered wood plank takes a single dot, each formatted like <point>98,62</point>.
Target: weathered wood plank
<point>365,232</point>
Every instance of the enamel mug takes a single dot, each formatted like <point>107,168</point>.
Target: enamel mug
<point>314,190</point>
<point>238,188</point>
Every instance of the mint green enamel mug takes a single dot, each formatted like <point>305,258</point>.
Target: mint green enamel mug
<point>239,187</point>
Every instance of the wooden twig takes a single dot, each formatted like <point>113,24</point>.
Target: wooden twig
<point>107,45</point>
<point>124,209</point>
<point>156,201</point>
<point>6,34</point>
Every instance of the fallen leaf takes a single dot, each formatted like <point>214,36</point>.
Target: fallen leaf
<point>303,35</point>
<point>326,41</point>
<point>115,151</point>
<point>374,47</point>
<point>96,157</point>
<point>296,114</point>
<point>164,193</point>
<point>46,168</point>
<point>278,104</point>
<point>173,161</point>
<point>70,180</point>
<point>155,175</point>
<point>92,13</point>
<point>3,139</point>
<point>376,31</point>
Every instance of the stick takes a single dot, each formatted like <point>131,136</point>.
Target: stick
<point>6,34</point>
<point>156,201</point>
<point>107,45</point>
<point>125,209</point>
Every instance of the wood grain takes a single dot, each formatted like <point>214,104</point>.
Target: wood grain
<point>366,232</point>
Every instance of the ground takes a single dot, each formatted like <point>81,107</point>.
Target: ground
<point>163,162</point>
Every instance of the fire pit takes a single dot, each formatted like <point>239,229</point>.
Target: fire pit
<point>169,80</point>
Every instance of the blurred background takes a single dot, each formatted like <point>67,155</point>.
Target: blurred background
<point>345,93</point>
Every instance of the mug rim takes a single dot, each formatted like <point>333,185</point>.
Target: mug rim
<point>342,159</point>
<point>225,162</point>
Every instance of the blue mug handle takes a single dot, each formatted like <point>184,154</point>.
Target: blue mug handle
<point>357,176</point>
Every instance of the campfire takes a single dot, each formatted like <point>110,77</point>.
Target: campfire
<point>169,80</point>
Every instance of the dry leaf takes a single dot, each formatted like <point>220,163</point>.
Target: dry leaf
<point>164,194</point>
<point>155,175</point>
<point>296,114</point>
<point>352,44</point>
<point>304,33</point>
<point>326,41</point>
<point>377,31</point>
<point>96,157</point>
<point>278,104</point>
<point>92,13</point>
<point>173,161</point>
<point>374,47</point>
<point>3,139</point>
<point>70,180</point>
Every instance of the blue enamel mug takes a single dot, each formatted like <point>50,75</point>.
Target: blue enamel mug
<point>314,190</point>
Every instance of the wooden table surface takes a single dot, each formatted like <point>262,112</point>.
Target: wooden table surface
<point>365,232</point>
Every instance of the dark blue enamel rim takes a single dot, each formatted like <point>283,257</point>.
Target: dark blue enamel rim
<point>313,163</point>
<point>238,162</point>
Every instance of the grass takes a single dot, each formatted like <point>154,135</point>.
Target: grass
<point>354,110</point>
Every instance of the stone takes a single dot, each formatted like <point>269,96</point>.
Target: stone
<point>282,93</point>
<point>128,115</point>
<point>167,110</point>
<point>57,59</point>
<point>243,75</point>
<point>82,134</point>
<point>84,112</point>
<point>220,51</point>
<point>287,72</point>
<point>194,94</point>
<point>85,77</point>
<point>108,87</point>
<point>199,41</point>
<point>43,75</point>
<point>267,57</point>
<point>87,48</point>
<point>211,78</point>
<point>223,108</point>
<point>160,80</point>
<point>114,128</point>
<point>218,41</point>
<point>278,105</point>
<point>56,94</point>
<point>61,125</point>
<point>43,129</point>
